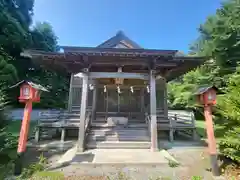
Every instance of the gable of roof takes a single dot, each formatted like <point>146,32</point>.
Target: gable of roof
<point>120,40</point>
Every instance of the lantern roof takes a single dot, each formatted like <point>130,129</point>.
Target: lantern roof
<point>32,84</point>
<point>204,89</point>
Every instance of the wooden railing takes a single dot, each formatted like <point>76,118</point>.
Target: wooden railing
<point>51,118</point>
<point>148,122</point>
<point>182,119</point>
<point>175,120</point>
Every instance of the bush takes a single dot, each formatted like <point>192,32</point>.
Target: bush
<point>229,108</point>
<point>8,142</point>
<point>230,145</point>
<point>34,168</point>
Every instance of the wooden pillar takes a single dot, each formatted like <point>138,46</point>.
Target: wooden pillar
<point>142,101</point>
<point>94,103</point>
<point>153,112</point>
<point>165,105</point>
<point>70,94</point>
<point>37,134</point>
<point>63,132</point>
<point>83,108</point>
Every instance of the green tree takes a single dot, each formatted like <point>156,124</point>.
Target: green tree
<point>45,39</point>
<point>219,40</point>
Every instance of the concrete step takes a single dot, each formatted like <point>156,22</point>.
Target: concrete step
<point>91,138</point>
<point>130,125</point>
<point>76,120</point>
<point>121,134</point>
<point>119,131</point>
<point>118,145</point>
<point>109,128</point>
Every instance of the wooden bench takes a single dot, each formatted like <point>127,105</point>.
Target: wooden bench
<point>60,120</point>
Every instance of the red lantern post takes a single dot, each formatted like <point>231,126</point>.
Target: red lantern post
<point>29,93</point>
<point>207,97</point>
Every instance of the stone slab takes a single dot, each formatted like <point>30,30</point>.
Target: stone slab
<point>121,156</point>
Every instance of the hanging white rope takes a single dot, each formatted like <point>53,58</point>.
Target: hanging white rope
<point>105,89</point>
<point>148,90</point>
<point>131,89</point>
<point>118,90</point>
<point>91,86</point>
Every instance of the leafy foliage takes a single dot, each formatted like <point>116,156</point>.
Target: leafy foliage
<point>8,72</point>
<point>16,34</point>
<point>229,108</point>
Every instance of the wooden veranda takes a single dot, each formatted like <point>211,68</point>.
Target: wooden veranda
<point>125,82</point>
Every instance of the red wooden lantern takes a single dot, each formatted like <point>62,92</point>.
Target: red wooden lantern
<point>207,95</point>
<point>29,93</point>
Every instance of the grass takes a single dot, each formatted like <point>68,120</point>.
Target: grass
<point>45,175</point>
<point>14,127</point>
<point>201,130</point>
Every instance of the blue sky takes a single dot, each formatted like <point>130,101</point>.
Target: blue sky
<point>157,24</point>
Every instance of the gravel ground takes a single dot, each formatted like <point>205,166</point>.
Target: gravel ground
<point>193,162</point>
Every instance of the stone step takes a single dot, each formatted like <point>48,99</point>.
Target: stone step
<point>118,145</point>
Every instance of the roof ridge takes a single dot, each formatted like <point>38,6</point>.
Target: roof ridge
<point>119,36</point>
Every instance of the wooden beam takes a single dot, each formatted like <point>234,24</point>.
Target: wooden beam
<point>123,75</point>
<point>153,112</point>
<point>83,108</point>
<point>120,63</point>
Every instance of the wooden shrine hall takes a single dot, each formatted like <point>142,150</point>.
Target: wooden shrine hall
<point>117,93</point>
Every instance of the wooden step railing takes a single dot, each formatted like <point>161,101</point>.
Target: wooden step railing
<point>175,121</point>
